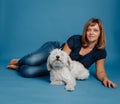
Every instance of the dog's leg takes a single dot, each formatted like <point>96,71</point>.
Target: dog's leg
<point>84,74</point>
<point>57,82</point>
<point>70,84</point>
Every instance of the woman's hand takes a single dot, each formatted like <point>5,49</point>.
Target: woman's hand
<point>101,74</point>
<point>108,83</point>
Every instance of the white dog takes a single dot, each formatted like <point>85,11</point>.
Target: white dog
<point>65,71</point>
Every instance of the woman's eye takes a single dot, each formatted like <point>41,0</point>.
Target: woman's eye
<point>88,30</point>
<point>96,30</point>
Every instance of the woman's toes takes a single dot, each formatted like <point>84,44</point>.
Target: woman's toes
<point>12,67</point>
<point>13,62</point>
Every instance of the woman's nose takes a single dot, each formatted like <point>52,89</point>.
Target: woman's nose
<point>91,32</point>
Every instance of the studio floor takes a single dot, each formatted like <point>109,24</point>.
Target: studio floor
<point>15,89</point>
<point>26,24</point>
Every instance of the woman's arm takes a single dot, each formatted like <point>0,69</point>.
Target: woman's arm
<point>66,49</point>
<point>101,74</point>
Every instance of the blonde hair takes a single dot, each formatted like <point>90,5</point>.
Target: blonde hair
<point>101,40</point>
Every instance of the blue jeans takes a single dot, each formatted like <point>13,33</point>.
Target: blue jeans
<point>34,64</point>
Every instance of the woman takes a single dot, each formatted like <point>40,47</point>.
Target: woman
<point>87,49</point>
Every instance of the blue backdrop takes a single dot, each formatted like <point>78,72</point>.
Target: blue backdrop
<point>26,24</point>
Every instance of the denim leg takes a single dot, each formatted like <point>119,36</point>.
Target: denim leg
<point>40,56</point>
<point>34,64</point>
<point>33,71</point>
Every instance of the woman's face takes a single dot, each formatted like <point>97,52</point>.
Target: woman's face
<point>93,33</point>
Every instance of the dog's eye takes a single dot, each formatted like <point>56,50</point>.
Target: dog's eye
<point>53,54</point>
<point>62,54</point>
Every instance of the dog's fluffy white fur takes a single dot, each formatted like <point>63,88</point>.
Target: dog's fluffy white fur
<point>65,71</point>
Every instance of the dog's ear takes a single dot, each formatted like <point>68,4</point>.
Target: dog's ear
<point>49,66</point>
<point>69,63</point>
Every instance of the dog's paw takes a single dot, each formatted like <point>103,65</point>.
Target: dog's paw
<point>69,87</point>
<point>57,83</point>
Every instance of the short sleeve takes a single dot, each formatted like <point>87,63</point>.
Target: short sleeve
<point>100,54</point>
<point>72,41</point>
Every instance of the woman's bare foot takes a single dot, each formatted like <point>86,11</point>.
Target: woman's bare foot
<point>15,67</point>
<point>13,64</point>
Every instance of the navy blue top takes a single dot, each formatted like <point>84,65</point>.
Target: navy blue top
<point>74,43</point>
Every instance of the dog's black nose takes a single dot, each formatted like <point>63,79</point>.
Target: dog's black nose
<point>57,57</point>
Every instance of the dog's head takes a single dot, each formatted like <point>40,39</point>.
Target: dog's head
<point>58,59</point>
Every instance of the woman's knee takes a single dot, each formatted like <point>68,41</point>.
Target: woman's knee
<point>31,72</point>
<point>51,45</point>
<point>25,71</point>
